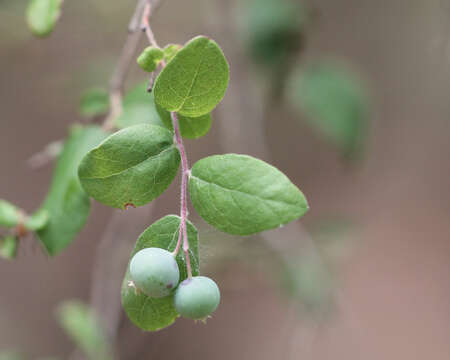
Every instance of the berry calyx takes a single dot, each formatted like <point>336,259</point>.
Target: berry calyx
<point>197,298</point>
<point>155,272</point>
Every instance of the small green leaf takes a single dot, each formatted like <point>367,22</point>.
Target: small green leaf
<point>138,108</point>
<point>191,128</point>
<point>82,326</point>
<point>8,247</point>
<point>42,16</point>
<point>9,214</point>
<point>242,195</point>
<point>131,167</point>
<point>196,79</point>
<point>37,221</point>
<point>150,58</point>
<point>335,104</point>
<point>94,102</point>
<point>153,314</point>
<point>66,203</point>
<point>170,51</point>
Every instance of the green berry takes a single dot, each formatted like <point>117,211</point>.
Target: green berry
<point>155,272</point>
<point>196,298</point>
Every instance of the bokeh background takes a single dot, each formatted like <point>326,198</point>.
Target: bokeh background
<point>367,270</point>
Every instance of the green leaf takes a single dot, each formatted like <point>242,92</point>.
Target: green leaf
<point>153,314</point>
<point>94,102</point>
<point>82,326</point>
<point>38,220</point>
<point>196,79</point>
<point>9,214</point>
<point>150,58</point>
<point>170,51</point>
<point>8,247</point>
<point>42,16</point>
<point>242,195</point>
<point>274,30</point>
<point>131,167</point>
<point>335,104</point>
<point>138,108</point>
<point>66,203</point>
<point>191,128</point>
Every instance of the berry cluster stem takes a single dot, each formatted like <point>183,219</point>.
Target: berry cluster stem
<point>182,237</point>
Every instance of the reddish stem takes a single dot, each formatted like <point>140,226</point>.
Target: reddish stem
<point>184,181</point>
<point>184,162</point>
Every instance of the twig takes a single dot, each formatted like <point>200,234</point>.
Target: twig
<point>126,57</point>
<point>45,156</point>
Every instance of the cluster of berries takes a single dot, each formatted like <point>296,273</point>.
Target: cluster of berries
<point>155,272</point>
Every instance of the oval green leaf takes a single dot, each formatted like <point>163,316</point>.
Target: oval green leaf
<point>66,203</point>
<point>9,214</point>
<point>195,80</point>
<point>131,167</point>
<point>42,16</point>
<point>153,314</point>
<point>335,103</point>
<point>241,195</point>
<point>138,108</point>
<point>150,58</point>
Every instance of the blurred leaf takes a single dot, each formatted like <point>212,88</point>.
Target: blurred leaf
<point>191,128</point>
<point>309,281</point>
<point>139,108</point>
<point>83,328</point>
<point>274,29</point>
<point>94,102</point>
<point>153,314</point>
<point>66,203</point>
<point>131,167</point>
<point>334,237</point>
<point>170,51</point>
<point>8,247</point>
<point>335,104</point>
<point>150,58</point>
<point>9,214</point>
<point>37,221</point>
<point>42,16</point>
<point>196,79</point>
<point>253,196</point>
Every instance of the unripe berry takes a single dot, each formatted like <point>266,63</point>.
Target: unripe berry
<point>155,272</point>
<point>196,298</point>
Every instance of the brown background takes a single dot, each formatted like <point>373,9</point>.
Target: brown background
<point>393,297</point>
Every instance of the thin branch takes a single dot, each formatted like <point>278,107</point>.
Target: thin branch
<point>184,181</point>
<point>126,57</point>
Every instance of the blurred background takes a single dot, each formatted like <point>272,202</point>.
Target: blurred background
<point>348,98</point>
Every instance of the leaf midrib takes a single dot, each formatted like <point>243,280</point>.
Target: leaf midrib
<point>244,193</point>
<point>131,167</point>
<point>197,70</point>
